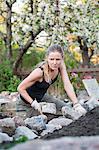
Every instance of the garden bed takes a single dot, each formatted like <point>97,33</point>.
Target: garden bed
<point>85,126</point>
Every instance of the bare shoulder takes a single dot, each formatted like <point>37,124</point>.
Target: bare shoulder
<point>35,75</point>
<point>36,72</point>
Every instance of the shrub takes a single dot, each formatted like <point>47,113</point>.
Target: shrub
<point>8,81</point>
<point>76,81</point>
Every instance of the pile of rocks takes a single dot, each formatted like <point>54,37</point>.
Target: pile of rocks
<point>13,126</point>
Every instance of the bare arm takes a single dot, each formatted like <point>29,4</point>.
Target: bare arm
<point>34,76</point>
<point>67,84</point>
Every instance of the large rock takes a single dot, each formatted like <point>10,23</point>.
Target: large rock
<point>92,87</point>
<point>50,128</point>
<point>36,123</point>
<point>7,125</point>
<point>5,138</point>
<point>4,93</point>
<point>92,103</point>
<point>4,101</point>
<point>24,131</point>
<point>82,94</point>
<point>48,107</point>
<point>69,111</point>
<point>18,121</point>
<point>8,107</point>
<point>62,121</point>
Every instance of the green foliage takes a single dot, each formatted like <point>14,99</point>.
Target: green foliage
<point>76,81</point>
<point>14,82</point>
<point>32,58</point>
<point>75,78</point>
<point>1,43</point>
<point>70,61</point>
<point>2,48</point>
<point>8,145</point>
<point>8,81</point>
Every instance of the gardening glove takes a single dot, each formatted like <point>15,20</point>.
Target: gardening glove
<point>78,108</point>
<point>36,106</point>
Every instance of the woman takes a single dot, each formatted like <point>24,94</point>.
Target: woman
<point>33,88</point>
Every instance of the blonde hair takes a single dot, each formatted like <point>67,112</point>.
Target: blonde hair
<point>45,67</point>
<point>55,48</point>
<point>44,64</point>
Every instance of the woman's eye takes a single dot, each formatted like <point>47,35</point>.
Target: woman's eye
<point>54,59</point>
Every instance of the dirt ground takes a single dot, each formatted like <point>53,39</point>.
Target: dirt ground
<point>85,126</point>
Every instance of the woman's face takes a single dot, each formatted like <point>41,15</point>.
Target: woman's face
<point>54,60</point>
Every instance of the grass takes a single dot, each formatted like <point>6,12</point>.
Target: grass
<point>7,145</point>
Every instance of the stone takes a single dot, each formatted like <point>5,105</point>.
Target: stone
<point>44,117</point>
<point>82,101</point>
<point>62,121</point>
<point>92,87</point>
<point>24,131</point>
<point>14,94</point>
<point>18,121</point>
<point>4,101</point>
<point>5,138</point>
<point>8,122</point>
<point>82,94</point>
<point>35,123</point>
<point>7,105</point>
<point>50,128</point>
<point>92,103</point>
<point>48,107</point>
<point>4,93</point>
<point>71,113</point>
<point>8,126</point>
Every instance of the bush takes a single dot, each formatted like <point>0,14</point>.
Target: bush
<point>32,59</point>
<point>8,81</point>
<point>76,81</point>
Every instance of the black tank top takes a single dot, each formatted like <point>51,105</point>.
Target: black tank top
<point>38,89</point>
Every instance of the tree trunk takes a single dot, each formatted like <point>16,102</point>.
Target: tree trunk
<point>83,46</point>
<point>9,31</point>
<point>23,50</point>
<point>20,56</point>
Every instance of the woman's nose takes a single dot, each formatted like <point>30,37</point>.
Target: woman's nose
<point>54,61</point>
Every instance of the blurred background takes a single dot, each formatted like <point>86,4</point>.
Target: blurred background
<point>28,27</point>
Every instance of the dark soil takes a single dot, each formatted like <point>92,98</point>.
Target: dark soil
<point>85,126</point>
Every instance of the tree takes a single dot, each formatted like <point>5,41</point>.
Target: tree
<point>58,19</point>
<point>8,37</point>
<point>81,19</point>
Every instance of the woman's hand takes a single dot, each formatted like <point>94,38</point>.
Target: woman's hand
<point>77,107</point>
<point>36,106</point>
